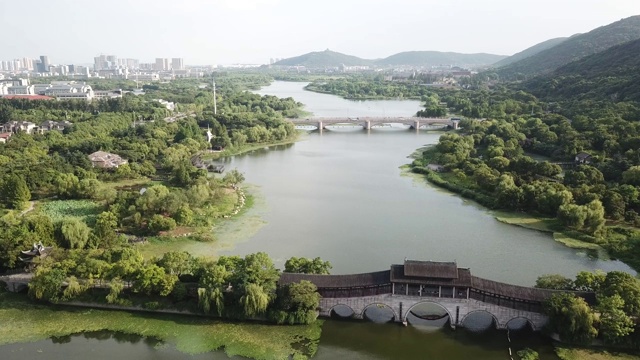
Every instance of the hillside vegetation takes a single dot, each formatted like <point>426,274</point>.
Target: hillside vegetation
<point>574,48</point>
<point>548,44</point>
<point>609,75</point>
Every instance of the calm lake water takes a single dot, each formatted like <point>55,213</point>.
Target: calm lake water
<point>341,195</point>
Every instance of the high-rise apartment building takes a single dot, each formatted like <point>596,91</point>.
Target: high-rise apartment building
<point>44,64</point>
<point>177,64</point>
<point>162,64</point>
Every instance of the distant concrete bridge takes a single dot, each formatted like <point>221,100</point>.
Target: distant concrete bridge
<point>454,289</point>
<point>368,122</point>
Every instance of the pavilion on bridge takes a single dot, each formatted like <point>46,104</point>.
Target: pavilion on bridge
<point>431,280</point>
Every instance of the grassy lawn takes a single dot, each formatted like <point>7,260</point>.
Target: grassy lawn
<point>128,183</point>
<point>588,354</point>
<point>550,225</point>
<point>83,210</point>
<point>22,321</point>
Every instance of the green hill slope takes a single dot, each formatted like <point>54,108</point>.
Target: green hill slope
<point>611,75</point>
<point>430,58</point>
<point>321,59</point>
<point>530,51</point>
<point>574,48</point>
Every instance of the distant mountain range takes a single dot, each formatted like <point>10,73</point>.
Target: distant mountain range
<point>572,49</point>
<point>328,58</point>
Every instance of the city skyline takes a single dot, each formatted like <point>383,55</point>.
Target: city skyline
<point>253,31</point>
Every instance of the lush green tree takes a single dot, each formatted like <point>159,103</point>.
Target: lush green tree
<point>626,286</point>
<point>105,228</point>
<point>589,281</point>
<point>554,282</point>
<point>296,303</point>
<point>67,186</point>
<point>258,269</point>
<point>184,215</point>
<point>255,300</point>
<point>615,324</point>
<point>15,192</point>
<point>572,215</point>
<point>152,279</point>
<point>212,287</point>
<point>307,266</point>
<point>233,177</point>
<point>528,354</point>
<point>74,234</point>
<point>571,317</point>
<point>159,223</point>
<point>46,284</point>
<point>632,176</point>
<point>177,262</point>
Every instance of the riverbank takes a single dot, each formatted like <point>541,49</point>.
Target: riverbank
<point>565,353</point>
<point>459,186</point>
<point>22,321</point>
<point>215,155</point>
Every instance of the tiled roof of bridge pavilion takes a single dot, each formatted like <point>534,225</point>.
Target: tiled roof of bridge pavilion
<point>431,269</point>
<point>338,281</point>
<point>399,275</point>
<point>522,292</point>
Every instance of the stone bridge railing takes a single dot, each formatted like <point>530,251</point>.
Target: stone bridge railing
<point>457,309</point>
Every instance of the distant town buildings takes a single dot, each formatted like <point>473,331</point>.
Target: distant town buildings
<point>104,66</point>
<point>61,90</point>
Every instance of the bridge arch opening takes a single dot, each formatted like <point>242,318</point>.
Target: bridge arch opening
<point>520,324</point>
<point>341,311</point>
<point>379,313</point>
<point>428,314</point>
<point>344,127</point>
<point>479,321</point>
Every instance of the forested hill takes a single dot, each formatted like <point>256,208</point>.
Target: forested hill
<point>530,51</point>
<point>321,59</point>
<point>328,58</point>
<point>611,74</point>
<point>574,48</point>
<point>429,58</point>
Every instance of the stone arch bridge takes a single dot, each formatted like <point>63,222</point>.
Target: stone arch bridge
<point>416,282</point>
<point>367,122</point>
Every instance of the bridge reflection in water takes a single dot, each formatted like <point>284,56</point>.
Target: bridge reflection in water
<point>405,289</point>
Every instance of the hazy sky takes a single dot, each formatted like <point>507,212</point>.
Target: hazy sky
<point>252,31</point>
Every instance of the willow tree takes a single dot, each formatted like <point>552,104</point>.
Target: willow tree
<point>254,301</point>
<point>211,290</point>
<point>211,297</point>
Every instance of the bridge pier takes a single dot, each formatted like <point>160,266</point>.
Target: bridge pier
<point>320,126</point>
<point>455,124</point>
<point>416,124</point>
<point>367,125</point>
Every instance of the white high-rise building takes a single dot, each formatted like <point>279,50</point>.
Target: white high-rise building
<point>177,64</point>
